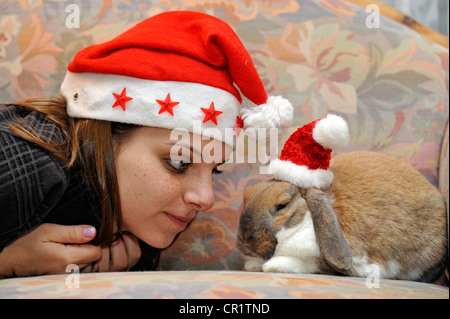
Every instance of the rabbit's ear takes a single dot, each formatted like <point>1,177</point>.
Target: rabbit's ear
<point>332,244</point>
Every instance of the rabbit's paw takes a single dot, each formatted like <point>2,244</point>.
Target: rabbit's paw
<point>253,264</point>
<point>286,264</point>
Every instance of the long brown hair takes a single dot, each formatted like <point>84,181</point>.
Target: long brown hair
<point>87,144</point>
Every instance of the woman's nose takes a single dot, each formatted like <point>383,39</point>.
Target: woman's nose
<point>200,195</point>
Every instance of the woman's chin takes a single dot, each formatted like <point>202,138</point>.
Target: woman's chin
<point>159,243</point>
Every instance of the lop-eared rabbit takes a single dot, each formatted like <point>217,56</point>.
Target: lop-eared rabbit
<point>377,211</point>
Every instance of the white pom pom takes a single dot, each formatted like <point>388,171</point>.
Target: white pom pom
<point>276,112</point>
<point>331,132</point>
<point>300,175</point>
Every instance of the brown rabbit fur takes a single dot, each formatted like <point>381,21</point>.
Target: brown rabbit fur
<point>382,212</point>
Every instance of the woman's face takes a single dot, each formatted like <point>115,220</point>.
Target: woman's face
<point>160,193</point>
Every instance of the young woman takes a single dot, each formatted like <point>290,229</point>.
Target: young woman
<point>99,177</point>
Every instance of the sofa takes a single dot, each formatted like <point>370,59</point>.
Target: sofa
<point>387,80</point>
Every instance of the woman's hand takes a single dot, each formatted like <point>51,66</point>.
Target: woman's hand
<point>121,255</point>
<point>49,249</point>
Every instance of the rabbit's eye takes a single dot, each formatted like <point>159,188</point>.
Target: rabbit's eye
<point>274,210</point>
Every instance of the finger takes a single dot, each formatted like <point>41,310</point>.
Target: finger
<point>95,267</point>
<point>82,254</point>
<point>133,249</point>
<point>87,268</point>
<point>119,258</point>
<point>79,234</point>
<point>103,263</point>
<point>82,266</point>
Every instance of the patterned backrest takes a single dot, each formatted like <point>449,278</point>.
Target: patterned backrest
<point>387,81</point>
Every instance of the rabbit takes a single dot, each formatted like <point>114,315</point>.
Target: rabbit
<point>377,211</point>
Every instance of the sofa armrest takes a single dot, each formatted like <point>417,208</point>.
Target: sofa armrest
<point>443,169</point>
<point>443,177</point>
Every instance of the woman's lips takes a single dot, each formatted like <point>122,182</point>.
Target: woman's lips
<point>179,221</point>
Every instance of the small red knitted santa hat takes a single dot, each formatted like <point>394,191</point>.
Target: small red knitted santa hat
<point>169,70</point>
<point>305,158</point>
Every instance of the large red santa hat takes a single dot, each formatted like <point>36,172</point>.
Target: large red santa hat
<point>168,71</point>
<point>305,158</point>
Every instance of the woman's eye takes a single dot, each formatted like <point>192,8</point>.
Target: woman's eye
<point>178,165</point>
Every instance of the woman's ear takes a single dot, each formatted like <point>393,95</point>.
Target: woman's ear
<point>333,246</point>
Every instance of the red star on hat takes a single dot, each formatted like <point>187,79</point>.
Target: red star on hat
<point>211,114</point>
<point>167,105</point>
<point>239,125</point>
<point>121,99</point>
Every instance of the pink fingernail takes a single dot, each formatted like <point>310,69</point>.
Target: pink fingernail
<point>89,232</point>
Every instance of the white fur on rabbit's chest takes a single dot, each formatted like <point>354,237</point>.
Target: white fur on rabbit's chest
<point>297,249</point>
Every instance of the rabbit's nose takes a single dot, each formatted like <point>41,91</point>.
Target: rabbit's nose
<point>245,234</point>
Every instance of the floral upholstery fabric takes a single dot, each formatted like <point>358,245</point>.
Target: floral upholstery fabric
<point>212,285</point>
<point>388,82</point>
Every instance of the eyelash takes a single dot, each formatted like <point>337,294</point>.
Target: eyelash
<point>170,163</point>
<point>185,167</point>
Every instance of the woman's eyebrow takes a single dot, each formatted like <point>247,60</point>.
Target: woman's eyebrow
<point>193,150</point>
<point>185,146</point>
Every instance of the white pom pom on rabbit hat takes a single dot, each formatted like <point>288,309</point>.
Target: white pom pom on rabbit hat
<point>306,155</point>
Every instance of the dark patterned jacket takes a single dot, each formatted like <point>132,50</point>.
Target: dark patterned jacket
<point>35,187</point>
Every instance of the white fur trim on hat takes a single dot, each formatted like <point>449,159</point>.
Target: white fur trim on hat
<point>276,112</point>
<point>331,132</point>
<point>300,175</point>
<point>94,100</point>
